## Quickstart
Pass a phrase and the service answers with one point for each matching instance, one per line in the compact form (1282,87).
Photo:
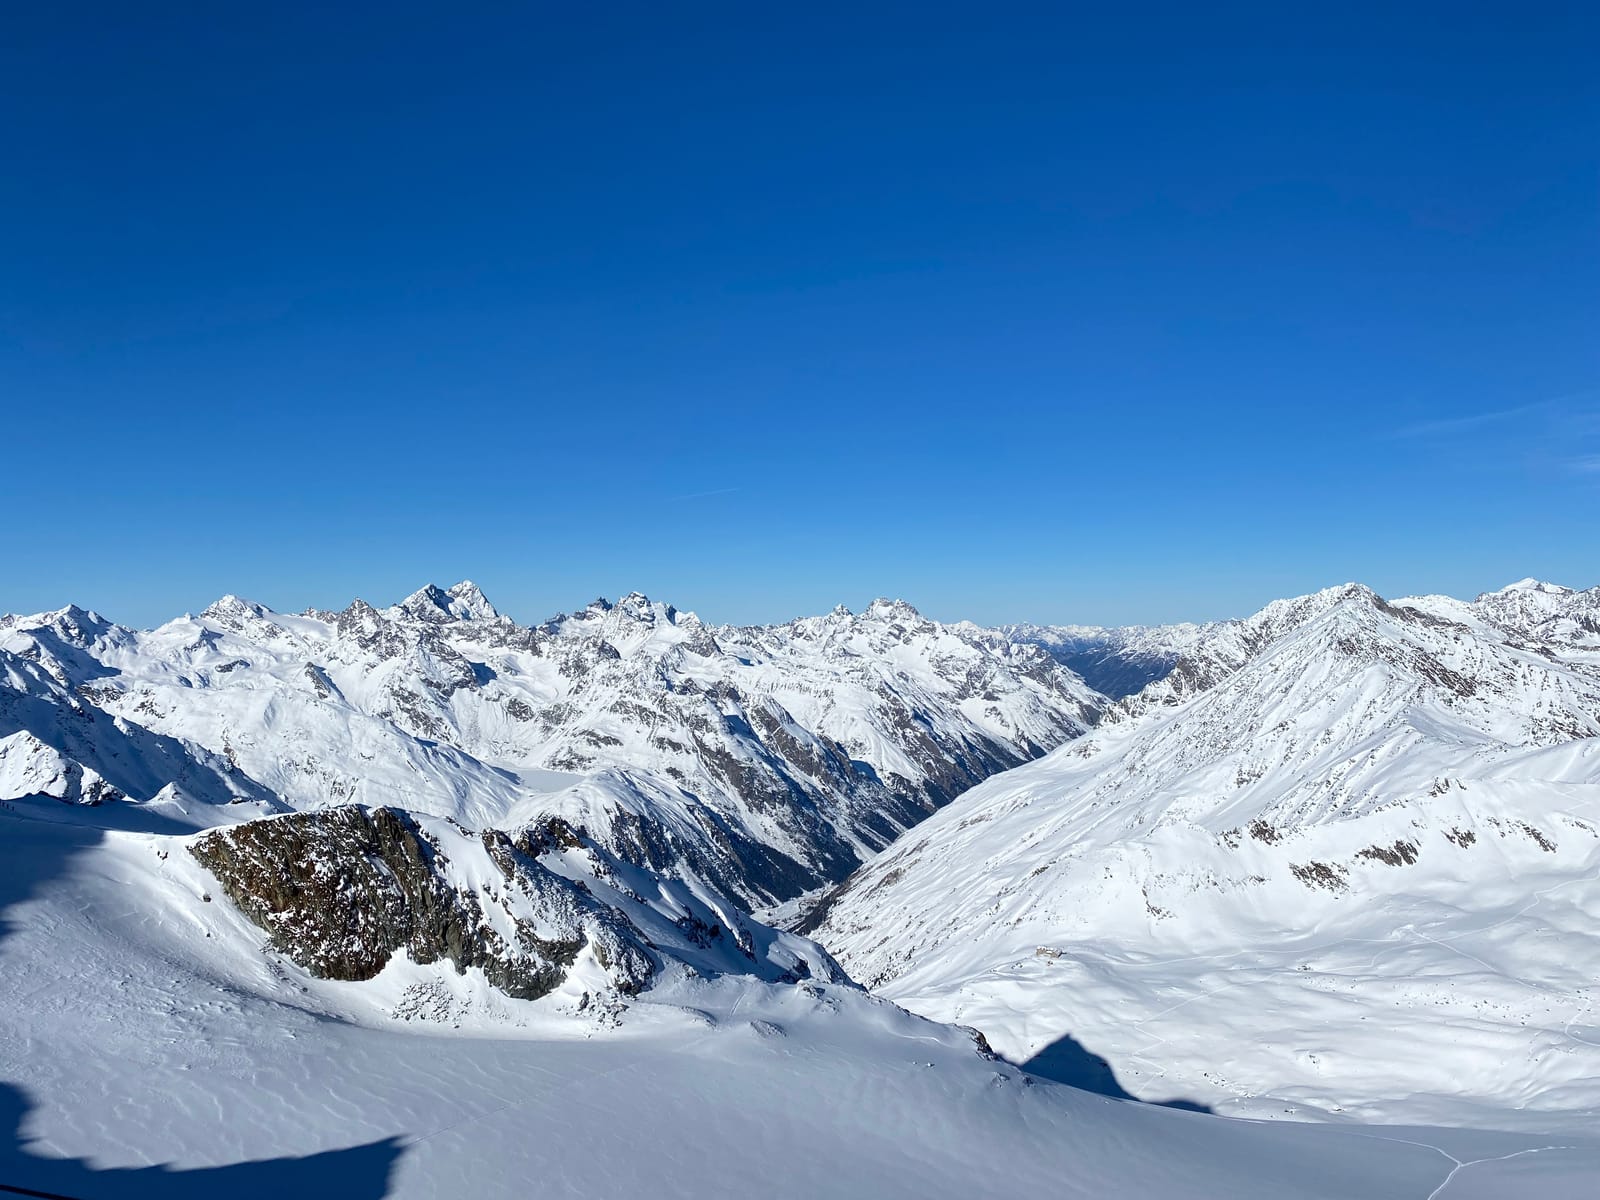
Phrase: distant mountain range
(1114,660)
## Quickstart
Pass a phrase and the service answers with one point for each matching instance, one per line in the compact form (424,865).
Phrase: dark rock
(340,891)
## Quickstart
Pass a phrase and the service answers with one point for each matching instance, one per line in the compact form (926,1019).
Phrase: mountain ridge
(1338,763)
(769,760)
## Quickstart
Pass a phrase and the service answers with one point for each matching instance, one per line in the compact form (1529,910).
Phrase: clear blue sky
(1103,313)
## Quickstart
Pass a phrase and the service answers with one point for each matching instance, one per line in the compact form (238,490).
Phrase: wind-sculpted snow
(767,760)
(1342,859)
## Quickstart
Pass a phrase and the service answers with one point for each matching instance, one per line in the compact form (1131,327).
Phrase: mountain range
(626,901)
(766,761)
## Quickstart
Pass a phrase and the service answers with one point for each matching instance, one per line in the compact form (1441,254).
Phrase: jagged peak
(359,608)
(71,622)
(634,606)
(897,609)
(1342,593)
(1280,616)
(464,601)
(639,607)
(469,598)
(78,618)
(231,606)
(428,603)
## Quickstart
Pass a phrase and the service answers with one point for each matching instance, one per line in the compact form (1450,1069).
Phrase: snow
(1356,848)
(1341,865)
(151,1045)
(799,739)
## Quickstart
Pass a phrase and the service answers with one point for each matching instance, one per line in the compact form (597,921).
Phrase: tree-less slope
(1341,861)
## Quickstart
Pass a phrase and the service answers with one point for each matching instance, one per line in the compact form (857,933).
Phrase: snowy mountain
(1342,859)
(341,889)
(1114,660)
(613,788)
(417,901)
(55,741)
(1560,617)
(766,761)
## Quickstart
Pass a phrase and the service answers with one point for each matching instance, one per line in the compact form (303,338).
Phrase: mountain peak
(639,607)
(1530,584)
(232,607)
(463,602)
(1345,591)
(899,610)
(428,603)
(471,602)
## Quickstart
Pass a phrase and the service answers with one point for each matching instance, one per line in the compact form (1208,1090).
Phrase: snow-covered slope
(1342,859)
(56,741)
(152,1047)
(767,761)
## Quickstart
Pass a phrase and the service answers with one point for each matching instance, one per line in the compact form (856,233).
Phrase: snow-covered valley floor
(149,1046)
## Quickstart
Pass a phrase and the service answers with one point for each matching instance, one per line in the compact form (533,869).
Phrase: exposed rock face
(342,890)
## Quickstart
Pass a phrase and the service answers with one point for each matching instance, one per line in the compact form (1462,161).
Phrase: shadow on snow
(1070,1062)
(356,1173)
(34,852)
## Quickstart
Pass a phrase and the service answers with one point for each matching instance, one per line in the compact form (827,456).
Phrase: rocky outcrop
(341,891)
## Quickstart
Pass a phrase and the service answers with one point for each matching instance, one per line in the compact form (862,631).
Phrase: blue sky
(1019,312)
